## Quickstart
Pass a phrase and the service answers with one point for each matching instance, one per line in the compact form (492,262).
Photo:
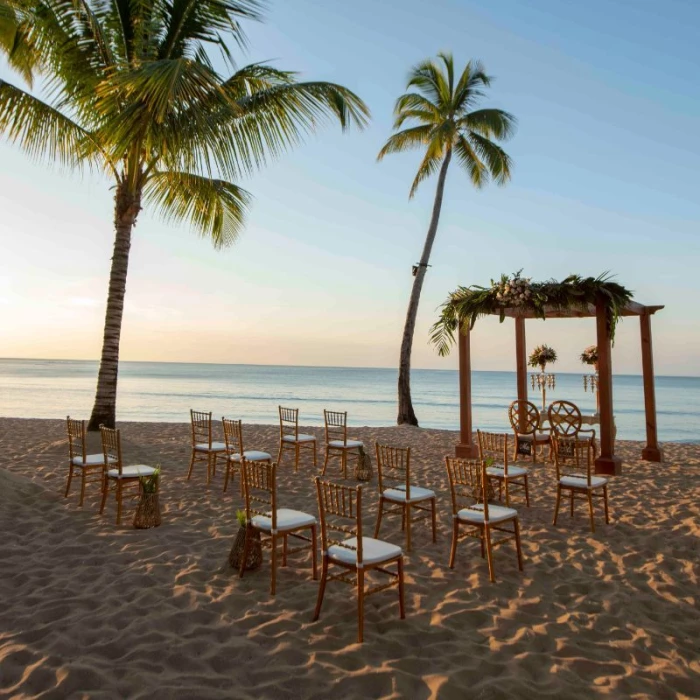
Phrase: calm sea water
(154,391)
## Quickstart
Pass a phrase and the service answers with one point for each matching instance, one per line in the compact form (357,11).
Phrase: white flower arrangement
(590,355)
(513,291)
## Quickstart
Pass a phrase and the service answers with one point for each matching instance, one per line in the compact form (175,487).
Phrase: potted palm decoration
(363,470)
(254,557)
(148,509)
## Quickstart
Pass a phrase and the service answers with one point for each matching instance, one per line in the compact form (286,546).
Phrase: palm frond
(491,123)
(414,101)
(408,138)
(16,42)
(496,159)
(471,162)
(41,130)
(216,208)
(429,79)
(429,165)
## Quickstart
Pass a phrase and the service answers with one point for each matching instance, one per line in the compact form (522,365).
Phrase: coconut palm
(441,107)
(131,90)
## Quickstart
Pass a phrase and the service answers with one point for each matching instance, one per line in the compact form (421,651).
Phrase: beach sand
(88,609)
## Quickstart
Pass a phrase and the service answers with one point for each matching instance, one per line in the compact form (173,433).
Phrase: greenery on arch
(467,304)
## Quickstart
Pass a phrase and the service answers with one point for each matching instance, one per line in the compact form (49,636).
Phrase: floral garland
(541,356)
(590,355)
(466,304)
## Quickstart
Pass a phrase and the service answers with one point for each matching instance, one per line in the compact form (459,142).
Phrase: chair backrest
(573,457)
(201,428)
(260,490)
(233,435)
(112,447)
(394,464)
(495,446)
(340,513)
(77,443)
(336,425)
(468,484)
(289,422)
(524,417)
(565,418)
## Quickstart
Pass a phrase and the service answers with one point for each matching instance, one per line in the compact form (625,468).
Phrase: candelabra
(543,381)
(590,383)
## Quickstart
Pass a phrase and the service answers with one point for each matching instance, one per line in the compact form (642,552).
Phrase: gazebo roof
(632,308)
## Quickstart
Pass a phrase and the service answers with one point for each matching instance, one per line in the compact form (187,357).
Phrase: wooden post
(521,366)
(652,451)
(466,447)
(607,462)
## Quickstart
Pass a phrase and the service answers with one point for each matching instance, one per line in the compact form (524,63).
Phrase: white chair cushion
(398,494)
(350,444)
(581,482)
(497,514)
(287,519)
(540,437)
(373,551)
(90,460)
(299,438)
(215,447)
(251,456)
(131,472)
(500,471)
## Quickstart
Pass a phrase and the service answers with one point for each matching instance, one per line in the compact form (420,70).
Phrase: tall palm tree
(132,91)
(447,124)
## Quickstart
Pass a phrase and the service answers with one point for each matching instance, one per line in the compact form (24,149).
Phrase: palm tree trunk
(126,208)
(406,413)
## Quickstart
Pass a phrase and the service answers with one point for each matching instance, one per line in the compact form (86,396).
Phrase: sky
(606,179)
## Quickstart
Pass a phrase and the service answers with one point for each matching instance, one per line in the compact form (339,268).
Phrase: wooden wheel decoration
(565,418)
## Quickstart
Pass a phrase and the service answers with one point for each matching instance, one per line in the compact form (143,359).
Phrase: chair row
(106,467)
(206,449)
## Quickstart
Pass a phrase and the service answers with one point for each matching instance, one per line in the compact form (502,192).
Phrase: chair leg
(284,549)
(279,454)
(518,547)
(407,516)
(605,503)
(119,502)
(434,519)
(507,493)
(208,468)
(314,449)
(360,605)
(70,478)
(325,463)
(273,565)
(322,587)
(527,493)
(489,553)
(453,548)
(482,542)
(296,457)
(314,555)
(82,487)
(189,473)
(572,503)
(246,541)
(105,488)
(226,474)
(344,463)
(556,507)
(380,512)
(402,602)
(590,509)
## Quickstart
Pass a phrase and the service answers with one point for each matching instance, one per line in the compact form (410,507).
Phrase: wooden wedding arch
(607,462)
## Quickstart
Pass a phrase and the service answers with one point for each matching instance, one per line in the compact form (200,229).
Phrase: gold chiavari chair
(509,476)
(479,519)
(204,448)
(565,420)
(400,497)
(291,438)
(356,557)
(573,459)
(91,467)
(233,436)
(263,515)
(529,431)
(117,474)
(337,442)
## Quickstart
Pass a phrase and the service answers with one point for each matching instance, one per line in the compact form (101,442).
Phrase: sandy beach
(88,609)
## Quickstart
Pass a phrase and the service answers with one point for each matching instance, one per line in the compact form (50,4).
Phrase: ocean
(165,392)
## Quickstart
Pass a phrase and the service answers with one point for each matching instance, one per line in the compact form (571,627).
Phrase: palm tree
(447,123)
(132,91)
